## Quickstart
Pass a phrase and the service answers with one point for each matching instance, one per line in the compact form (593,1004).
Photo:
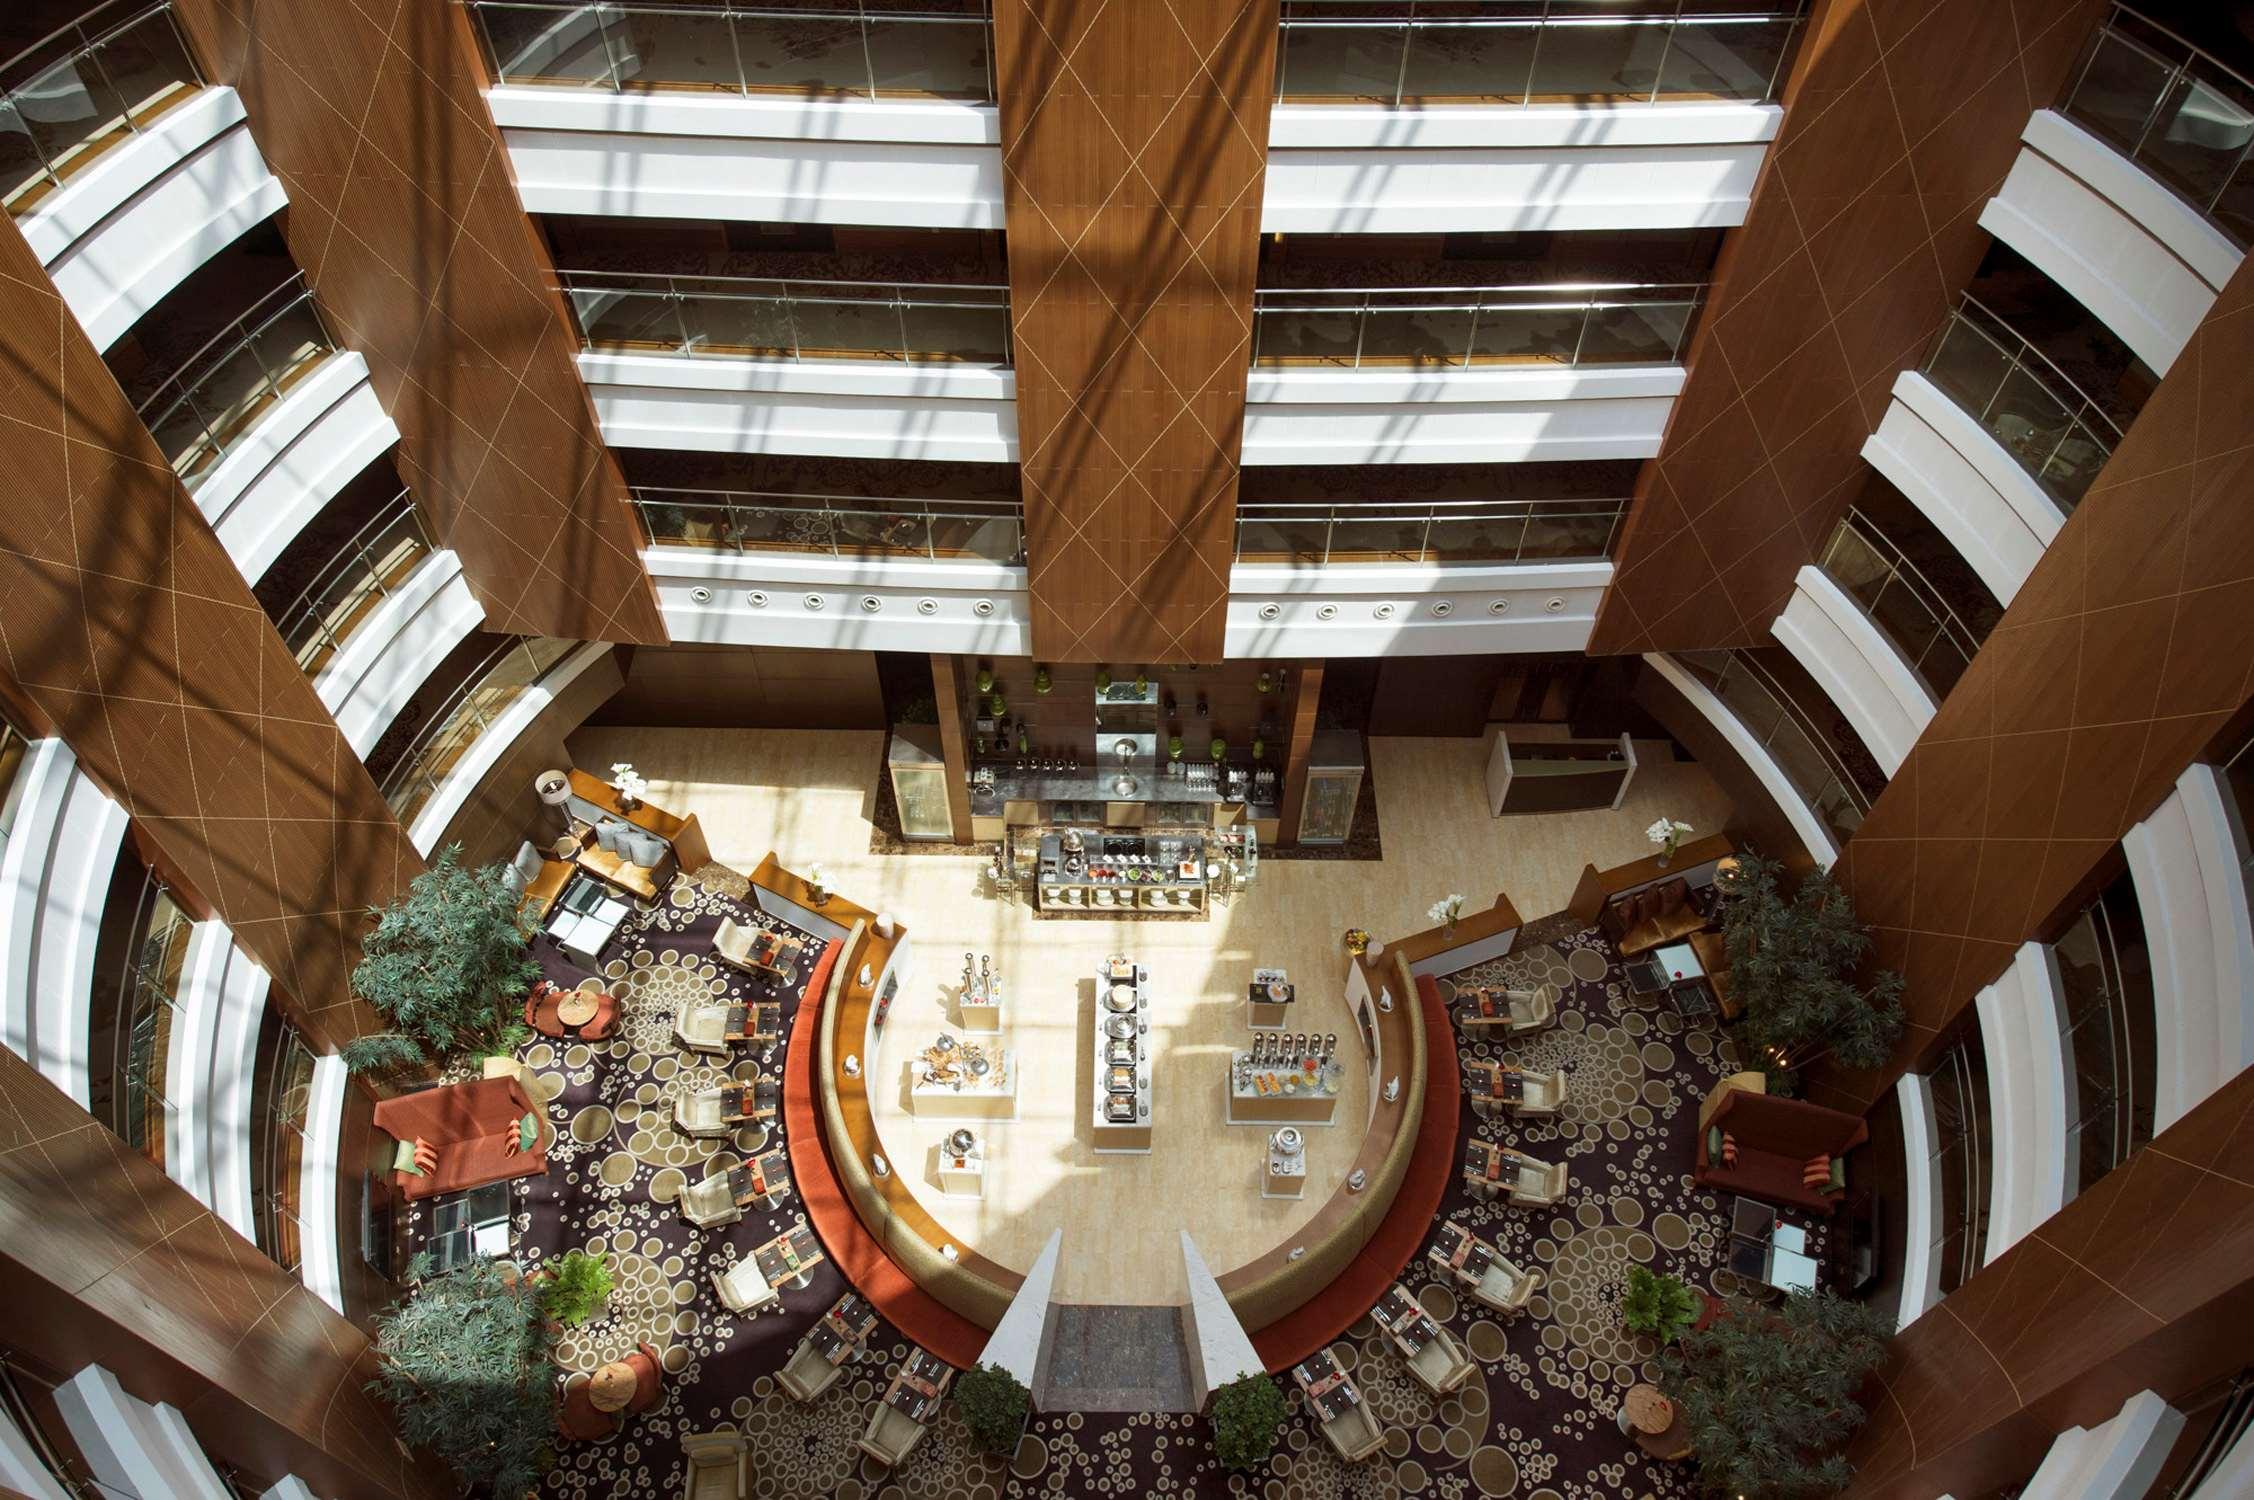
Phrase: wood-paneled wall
(1134,144)
(2126,652)
(2144,1282)
(403,217)
(126,629)
(105,1259)
(1900,123)
(1063,720)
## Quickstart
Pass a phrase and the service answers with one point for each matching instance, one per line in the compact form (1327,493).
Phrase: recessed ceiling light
(700,596)
(757,598)
(1270,610)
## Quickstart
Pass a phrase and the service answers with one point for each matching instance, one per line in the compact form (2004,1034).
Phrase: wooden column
(108,1260)
(423,261)
(128,631)
(2144,1282)
(947,693)
(1306,698)
(1134,145)
(2120,659)
(1862,230)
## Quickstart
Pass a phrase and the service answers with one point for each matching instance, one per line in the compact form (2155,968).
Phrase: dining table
(789,1255)
(1484,1161)
(1469,1258)
(1325,1386)
(841,1330)
(918,1385)
(1404,1320)
(759,1100)
(753,1021)
(760,1180)
(1494,1080)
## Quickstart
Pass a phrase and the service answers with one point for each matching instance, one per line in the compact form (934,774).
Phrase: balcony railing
(846,52)
(2105,980)
(2027,403)
(220,391)
(364,573)
(284,1067)
(1908,610)
(2181,113)
(833,525)
(1528,52)
(1800,749)
(1963,1148)
(741,317)
(1363,328)
(94,84)
(1438,531)
(147,1006)
(504,676)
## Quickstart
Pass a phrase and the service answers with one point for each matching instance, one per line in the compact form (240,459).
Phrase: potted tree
(463,1359)
(1794,962)
(996,1406)
(1247,1413)
(445,968)
(1766,1392)
(1657,1305)
(574,1288)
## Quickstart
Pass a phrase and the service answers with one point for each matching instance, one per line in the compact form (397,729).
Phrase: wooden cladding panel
(2124,655)
(1900,123)
(127,630)
(404,220)
(1133,147)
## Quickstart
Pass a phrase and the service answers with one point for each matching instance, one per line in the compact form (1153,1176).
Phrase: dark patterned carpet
(1540,1425)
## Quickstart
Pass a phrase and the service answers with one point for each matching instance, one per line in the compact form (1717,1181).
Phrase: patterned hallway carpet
(1539,1425)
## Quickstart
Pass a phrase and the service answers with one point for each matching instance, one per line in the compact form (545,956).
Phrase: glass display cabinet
(1334,786)
(919,782)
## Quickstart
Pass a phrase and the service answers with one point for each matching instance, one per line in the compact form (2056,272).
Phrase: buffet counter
(1122,1066)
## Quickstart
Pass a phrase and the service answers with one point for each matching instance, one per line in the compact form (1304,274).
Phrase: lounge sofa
(1775,1138)
(1642,920)
(473,1128)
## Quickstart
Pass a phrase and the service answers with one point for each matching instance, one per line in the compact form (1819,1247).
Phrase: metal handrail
(280,1121)
(89,47)
(728,15)
(239,333)
(311,606)
(1788,713)
(1411,24)
(1972,1129)
(2120,1102)
(143,1001)
(2212,67)
(830,508)
(2058,376)
(398,783)
(1430,511)
(1950,626)
(787,294)
(1586,298)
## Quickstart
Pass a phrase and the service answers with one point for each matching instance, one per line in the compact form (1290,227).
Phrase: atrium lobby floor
(807,795)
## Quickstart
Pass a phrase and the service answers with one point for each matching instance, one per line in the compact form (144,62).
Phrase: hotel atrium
(985,749)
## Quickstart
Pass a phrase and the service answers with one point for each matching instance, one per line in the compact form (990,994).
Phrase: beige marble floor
(807,795)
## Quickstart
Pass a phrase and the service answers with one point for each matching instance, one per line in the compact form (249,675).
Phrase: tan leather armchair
(715,1466)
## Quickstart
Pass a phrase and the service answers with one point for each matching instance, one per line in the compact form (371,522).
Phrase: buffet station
(1092,870)
(1282,1077)
(1121,1038)
(962,1080)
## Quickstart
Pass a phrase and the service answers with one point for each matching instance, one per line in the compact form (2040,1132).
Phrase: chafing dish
(1121,998)
(1119,1080)
(1120,1027)
(1120,1051)
(1119,1109)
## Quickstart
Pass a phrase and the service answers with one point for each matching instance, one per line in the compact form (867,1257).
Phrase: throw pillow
(1729,1149)
(1816,1173)
(528,1131)
(426,1156)
(403,1160)
(1713,1144)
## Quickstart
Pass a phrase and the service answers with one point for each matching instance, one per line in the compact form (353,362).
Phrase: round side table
(577,1008)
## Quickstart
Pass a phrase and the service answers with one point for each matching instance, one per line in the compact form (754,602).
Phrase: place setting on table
(756,1102)
(787,1257)
(760,1180)
(1404,1320)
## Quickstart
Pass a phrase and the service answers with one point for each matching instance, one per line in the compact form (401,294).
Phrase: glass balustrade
(847,52)
(2026,403)
(1963,1159)
(1516,52)
(93,85)
(1378,328)
(505,675)
(221,390)
(1428,531)
(2107,1010)
(750,318)
(1800,751)
(833,525)
(364,573)
(2180,113)
(1908,610)
(143,1022)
